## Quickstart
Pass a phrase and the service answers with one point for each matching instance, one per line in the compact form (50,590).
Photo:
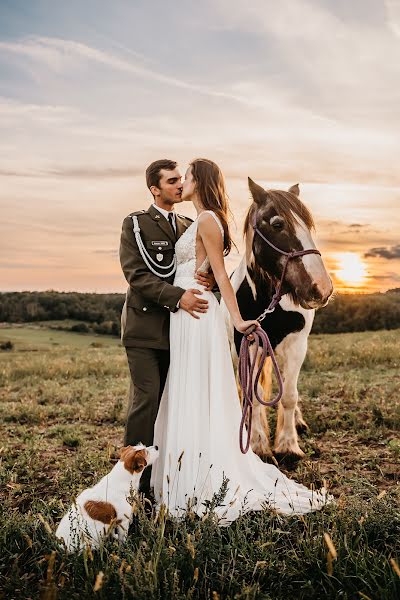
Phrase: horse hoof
(265,457)
(288,460)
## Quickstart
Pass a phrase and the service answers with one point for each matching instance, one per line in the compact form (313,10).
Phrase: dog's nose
(156,447)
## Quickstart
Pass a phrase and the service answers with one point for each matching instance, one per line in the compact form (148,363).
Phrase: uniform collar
(164,212)
(156,214)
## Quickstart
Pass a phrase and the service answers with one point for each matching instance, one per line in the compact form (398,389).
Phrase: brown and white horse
(282,219)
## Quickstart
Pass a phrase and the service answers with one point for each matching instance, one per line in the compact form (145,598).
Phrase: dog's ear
(134,460)
(123,452)
(139,460)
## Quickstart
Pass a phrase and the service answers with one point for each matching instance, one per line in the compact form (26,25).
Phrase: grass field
(37,337)
(63,402)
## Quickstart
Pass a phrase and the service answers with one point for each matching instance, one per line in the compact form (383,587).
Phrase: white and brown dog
(104,509)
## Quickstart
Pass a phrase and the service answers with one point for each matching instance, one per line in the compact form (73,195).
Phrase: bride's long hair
(210,187)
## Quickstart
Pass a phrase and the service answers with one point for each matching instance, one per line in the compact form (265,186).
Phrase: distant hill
(100,313)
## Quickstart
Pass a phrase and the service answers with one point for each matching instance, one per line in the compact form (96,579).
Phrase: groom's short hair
(153,171)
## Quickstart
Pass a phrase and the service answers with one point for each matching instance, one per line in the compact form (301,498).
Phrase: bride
(197,426)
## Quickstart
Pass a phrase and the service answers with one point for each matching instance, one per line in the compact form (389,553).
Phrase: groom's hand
(206,279)
(192,304)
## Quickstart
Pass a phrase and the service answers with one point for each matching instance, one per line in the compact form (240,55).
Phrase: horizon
(90,94)
(51,291)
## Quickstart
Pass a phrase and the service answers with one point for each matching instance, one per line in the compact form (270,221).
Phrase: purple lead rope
(249,384)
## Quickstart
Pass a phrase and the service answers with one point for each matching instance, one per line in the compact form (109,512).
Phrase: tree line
(100,313)
(359,312)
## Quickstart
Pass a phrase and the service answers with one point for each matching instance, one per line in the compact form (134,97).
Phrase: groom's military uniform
(147,252)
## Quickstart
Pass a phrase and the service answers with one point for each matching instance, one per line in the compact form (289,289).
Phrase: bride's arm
(210,235)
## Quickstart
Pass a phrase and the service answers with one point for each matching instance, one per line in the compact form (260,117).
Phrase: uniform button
(159,247)
(144,308)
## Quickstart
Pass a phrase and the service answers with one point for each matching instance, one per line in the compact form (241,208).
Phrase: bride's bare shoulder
(209,223)
(209,216)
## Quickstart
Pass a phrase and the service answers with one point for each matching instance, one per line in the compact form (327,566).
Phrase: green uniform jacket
(149,299)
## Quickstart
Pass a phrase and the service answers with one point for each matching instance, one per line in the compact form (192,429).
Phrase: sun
(351,270)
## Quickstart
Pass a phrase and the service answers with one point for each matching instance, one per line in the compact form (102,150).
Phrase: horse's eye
(277,223)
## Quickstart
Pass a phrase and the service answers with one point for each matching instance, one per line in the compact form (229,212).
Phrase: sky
(92,91)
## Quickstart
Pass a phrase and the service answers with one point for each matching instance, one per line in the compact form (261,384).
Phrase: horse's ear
(258,193)
(295,189)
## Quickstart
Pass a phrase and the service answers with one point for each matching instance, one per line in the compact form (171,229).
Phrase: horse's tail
(265,382)
(266,379)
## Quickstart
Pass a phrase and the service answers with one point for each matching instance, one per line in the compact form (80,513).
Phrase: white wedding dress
(197,427)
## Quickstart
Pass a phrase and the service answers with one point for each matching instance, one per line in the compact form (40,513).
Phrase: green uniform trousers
(149,369)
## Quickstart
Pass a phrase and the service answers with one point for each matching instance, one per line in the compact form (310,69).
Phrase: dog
(103,510)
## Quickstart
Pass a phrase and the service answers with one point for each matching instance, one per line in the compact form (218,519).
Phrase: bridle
(289,255)
(247,365)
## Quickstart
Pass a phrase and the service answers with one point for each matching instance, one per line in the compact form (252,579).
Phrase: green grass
(62,411)
(37,337)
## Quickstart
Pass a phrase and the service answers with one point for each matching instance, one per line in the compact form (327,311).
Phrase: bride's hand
(243,326)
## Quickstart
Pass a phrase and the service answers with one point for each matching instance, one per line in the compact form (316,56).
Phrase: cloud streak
(388,252)
(60,54)
(76,172)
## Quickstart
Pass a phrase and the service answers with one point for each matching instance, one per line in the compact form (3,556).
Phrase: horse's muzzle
(314,298)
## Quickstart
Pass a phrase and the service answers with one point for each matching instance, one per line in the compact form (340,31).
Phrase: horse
(278,222)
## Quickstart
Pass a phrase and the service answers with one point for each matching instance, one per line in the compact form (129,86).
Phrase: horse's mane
(287,205)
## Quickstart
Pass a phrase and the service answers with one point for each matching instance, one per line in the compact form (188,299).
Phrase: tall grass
(261,555)
(61,422)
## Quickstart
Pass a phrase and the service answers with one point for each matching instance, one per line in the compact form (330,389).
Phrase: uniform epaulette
(185,217)
(137,213)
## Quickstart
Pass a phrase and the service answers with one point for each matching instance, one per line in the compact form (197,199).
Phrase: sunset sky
(92,91)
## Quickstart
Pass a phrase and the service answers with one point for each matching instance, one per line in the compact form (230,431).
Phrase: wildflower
(98,584)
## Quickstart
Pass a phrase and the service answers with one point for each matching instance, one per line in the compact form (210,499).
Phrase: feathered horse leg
(260,433)
(292,352)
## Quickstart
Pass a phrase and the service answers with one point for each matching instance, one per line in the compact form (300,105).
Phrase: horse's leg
(260,429)
(292,352)
(301,424)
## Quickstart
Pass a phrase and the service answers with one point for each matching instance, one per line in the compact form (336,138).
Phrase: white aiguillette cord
(146,256)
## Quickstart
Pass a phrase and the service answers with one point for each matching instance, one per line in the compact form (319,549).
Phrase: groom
(148,262)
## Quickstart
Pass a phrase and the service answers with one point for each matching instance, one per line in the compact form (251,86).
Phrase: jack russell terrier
(104,509)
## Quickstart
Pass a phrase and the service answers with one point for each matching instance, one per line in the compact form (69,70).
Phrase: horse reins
(247,364)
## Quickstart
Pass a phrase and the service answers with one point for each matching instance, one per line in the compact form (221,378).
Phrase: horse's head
(286,223)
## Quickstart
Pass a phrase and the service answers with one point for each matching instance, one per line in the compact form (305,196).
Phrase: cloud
(385,277)
(290,131)
(76,172)
(338,66)
(389,252)
(393,15)
(14,265)
(295,20)
(113,252)
(60,54)
(12,111)
(71,229)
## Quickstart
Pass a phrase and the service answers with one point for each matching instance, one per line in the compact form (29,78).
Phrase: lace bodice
(185,250)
